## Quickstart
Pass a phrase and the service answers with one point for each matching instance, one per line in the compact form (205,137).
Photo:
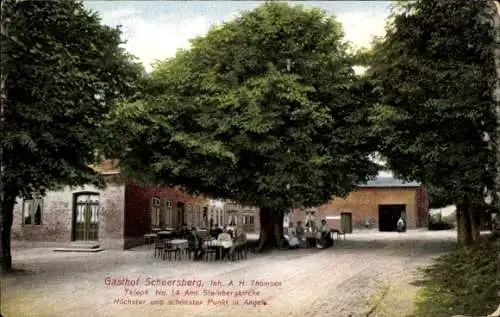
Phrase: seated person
(325,239)
(240,239)
(224,236)
(215,231)
(230,232)
(240,236)
(195,243)
(227,243)
(291,238)
(301,232)
(311,226)
(185,232)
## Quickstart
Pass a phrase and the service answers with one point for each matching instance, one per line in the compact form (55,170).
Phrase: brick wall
(138,208)
(364,202)
(57,218)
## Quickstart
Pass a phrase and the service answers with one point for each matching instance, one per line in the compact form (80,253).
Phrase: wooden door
(86,217)
(346,222)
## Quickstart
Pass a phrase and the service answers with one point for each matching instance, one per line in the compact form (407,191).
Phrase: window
(197,216)
(251,220)
(222,221)
(189,211)
(32,211)
(205,217)
(310,221)
(168,213)
(155,212)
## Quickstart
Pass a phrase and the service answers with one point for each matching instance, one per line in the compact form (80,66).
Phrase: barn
(378,204)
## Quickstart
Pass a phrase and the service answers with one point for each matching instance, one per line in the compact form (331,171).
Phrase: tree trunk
(6,218)
(271,228)
(496,96)
(464,229)
(475,223)
(494,7)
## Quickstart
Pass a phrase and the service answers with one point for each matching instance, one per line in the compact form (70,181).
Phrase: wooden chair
(149,238)
(211,248)
(241,251)
(189,251)
(169,249)
(159,247)
(338,233)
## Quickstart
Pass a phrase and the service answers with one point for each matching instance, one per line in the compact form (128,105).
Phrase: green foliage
(63,72)
(433,74)
(438,197)
(463,282)
(265,110)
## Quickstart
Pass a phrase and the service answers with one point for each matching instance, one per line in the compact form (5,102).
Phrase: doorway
(388,216)
(86,217)
(346,222)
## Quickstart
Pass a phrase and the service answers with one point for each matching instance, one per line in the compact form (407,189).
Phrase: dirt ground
(339,282)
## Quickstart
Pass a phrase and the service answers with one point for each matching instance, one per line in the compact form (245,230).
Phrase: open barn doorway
(388,216)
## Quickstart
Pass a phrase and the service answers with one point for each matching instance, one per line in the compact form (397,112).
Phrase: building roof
(387,181)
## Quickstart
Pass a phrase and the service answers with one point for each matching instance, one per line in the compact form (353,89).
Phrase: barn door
(346,222)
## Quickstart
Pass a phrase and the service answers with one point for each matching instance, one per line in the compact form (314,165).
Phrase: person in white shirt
(401,224)
(292,238)
(324,227)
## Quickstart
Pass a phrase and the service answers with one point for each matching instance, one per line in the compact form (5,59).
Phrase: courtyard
(335,282)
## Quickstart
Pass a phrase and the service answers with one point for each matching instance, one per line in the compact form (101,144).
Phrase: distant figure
(185,230)
(196,245)
(226,230)
(301,232)
(401,224)
(310,226)
(292,239)
(325,236)
(240,237)
(215,231)
(368,222)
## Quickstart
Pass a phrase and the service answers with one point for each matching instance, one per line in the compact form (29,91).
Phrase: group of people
(196,240)
(297,236)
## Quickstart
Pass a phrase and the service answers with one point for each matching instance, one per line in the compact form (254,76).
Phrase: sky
(155,30)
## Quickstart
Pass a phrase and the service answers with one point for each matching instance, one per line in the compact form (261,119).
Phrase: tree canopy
(433,74)
(62,72)
(265,110)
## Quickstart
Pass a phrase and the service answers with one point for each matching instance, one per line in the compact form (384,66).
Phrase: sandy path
(334,282)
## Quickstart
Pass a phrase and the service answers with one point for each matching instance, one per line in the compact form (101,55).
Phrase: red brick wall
(138,206)
(364,203)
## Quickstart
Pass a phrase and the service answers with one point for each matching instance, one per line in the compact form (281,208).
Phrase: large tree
(264,110)
(434,73)
(61,73)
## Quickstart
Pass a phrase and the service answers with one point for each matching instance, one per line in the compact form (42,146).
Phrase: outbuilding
(378,204)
